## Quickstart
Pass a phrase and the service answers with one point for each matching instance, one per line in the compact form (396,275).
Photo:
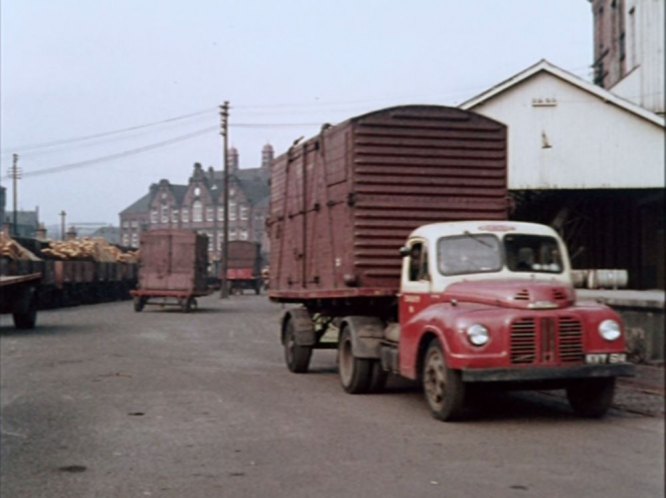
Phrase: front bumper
(548,373)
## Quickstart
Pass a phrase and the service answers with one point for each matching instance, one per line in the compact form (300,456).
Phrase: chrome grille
(523,341)
(533,341)
(570,340)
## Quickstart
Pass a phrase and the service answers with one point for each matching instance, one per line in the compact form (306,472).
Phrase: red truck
(173,269)
(389,230)
(244,267)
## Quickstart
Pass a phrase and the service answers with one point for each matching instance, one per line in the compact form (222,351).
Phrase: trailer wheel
(139,303)
(591,398)
(443,388)
(189,304)
(297,357)
(27,319)
(355,373)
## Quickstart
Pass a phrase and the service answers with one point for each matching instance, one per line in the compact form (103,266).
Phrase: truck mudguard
(367,333)
(304,332)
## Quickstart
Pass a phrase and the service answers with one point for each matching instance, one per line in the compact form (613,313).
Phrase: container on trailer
(244,266)
(343,202)
(173,267)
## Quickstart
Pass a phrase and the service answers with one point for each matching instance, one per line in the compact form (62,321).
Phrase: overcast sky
(145,78)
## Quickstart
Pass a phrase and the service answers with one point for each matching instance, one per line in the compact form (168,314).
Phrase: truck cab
(493,303)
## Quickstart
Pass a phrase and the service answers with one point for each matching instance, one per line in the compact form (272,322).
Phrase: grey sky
(71,69)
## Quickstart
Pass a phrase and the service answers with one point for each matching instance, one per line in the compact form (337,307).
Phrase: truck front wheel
(355,373)
(297,357)
(444,389)
(591,398)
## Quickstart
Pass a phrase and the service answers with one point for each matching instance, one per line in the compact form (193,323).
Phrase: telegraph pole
(224,123)
(16,173)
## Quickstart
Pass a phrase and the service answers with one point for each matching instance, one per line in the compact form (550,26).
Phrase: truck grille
(546,340)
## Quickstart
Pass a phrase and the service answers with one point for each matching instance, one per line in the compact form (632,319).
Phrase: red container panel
(344,202)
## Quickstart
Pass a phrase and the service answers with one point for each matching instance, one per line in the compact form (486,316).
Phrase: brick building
(199,205)
(629,50)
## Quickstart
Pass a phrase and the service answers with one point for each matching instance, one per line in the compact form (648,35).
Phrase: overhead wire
(118,155)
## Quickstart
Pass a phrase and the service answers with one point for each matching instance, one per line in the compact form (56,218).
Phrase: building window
(210,214)
(174,216)
(232,234)
(232,210)
(165,214)
(243,213)
(185,215)
(126,224)
(197,211)
(153,216)
(135,224)
(126,239)
(220,213)
(242,235)
(135,240)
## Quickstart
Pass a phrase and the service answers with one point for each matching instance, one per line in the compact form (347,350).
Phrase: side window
(418,262)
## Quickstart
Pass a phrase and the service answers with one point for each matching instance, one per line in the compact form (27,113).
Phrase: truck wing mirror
(405,251)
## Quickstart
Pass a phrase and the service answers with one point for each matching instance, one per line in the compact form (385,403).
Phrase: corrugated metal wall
(421,165)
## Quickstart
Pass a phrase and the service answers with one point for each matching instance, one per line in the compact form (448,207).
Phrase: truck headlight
(477,334)
(610,330)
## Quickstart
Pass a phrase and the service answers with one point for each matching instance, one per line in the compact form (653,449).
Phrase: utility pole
(15,174)
(224,123)
(62,224)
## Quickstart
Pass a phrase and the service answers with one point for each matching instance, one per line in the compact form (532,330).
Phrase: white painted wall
(593,144)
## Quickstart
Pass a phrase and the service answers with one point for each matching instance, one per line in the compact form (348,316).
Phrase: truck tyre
(28,318)
(190,304)
(378,377)
(139,303)
(297,357)
(443,388)
(591,398)
(355,373)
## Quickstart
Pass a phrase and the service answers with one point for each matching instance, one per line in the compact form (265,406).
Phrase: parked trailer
(244,266)
(172,269)
(374,232)
(18,296)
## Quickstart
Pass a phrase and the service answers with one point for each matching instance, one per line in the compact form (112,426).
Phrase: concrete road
(100,401)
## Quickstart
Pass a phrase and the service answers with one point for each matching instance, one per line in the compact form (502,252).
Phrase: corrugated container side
(343,203)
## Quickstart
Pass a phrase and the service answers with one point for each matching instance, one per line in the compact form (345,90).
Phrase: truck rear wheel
(591,398)
(297,357)
(443,388)
(355,373)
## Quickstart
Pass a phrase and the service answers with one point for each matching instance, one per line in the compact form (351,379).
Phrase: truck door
(415,281)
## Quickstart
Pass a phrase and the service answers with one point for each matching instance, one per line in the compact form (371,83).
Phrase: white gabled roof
(545,66)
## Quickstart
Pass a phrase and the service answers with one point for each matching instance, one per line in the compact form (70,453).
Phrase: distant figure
(525,259)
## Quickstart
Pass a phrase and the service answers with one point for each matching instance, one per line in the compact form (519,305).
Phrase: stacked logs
(89,250)
(11,249)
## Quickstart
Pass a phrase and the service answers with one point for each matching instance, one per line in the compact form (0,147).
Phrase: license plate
(605,358)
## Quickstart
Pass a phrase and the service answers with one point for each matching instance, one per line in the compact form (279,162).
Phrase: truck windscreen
(469,253)
(532,253)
